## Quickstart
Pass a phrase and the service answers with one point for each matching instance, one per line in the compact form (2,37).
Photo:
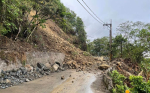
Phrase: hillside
(49,39)
(54,39)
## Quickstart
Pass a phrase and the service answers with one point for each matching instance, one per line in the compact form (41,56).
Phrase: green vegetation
(86,53)
(15,15)
(74,53)
(23,63)
(118,82)
(137,40)
(98,45)
(137,83)
(132,41)
(145,65)
(2,55)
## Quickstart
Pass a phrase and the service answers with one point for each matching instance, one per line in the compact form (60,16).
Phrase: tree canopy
(14,18)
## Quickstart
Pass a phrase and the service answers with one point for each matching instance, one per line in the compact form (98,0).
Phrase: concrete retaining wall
(32,58)
(107,79)
(44,57)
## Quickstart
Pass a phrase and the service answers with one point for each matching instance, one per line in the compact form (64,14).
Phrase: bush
(145,65)
(86,53)
(118,82)
(137,83)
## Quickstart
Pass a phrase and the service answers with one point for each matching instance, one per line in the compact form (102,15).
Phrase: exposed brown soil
(54,42)
(51,38)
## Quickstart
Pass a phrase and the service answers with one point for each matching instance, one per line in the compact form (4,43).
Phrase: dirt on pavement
(74,82)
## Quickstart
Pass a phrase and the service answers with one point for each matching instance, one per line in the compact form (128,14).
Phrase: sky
(119,11)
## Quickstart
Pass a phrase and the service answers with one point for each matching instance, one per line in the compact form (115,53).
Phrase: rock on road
(73,82)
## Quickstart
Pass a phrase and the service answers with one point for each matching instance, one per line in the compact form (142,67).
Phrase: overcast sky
(118,10)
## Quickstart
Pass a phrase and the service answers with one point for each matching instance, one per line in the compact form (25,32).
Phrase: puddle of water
(90,82)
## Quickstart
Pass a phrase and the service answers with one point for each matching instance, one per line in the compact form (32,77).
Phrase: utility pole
(110,38)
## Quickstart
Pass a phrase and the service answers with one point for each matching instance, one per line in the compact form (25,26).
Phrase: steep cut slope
(52,38)
(49,39)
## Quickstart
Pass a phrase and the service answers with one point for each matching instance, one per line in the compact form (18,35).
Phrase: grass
(23,63)
(86,53)
(74,53)
(2,55)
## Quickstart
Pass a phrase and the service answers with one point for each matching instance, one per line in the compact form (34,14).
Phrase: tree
(101,46)
(81,33)
(14,18)
(118,40)
(137,35)
(11,15)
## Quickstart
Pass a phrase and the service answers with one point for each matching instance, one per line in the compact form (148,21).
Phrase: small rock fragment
(62,77)
(27,80)
(7,81)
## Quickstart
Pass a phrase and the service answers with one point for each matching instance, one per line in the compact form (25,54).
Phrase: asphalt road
(74,82)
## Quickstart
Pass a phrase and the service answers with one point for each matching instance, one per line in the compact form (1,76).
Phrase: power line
(92,11)
(89,13)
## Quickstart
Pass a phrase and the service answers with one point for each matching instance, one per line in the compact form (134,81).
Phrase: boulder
(19,72)
(47,73)
(46,69)
(103,67)
(7,81)
(40,65)
(119,64)
(3,86)
(42,72)
(27,80)
(1,80)
(58,63)
(55,66)
(89,63)
(47,65)
(62,77)
(65,66)
(72,64)
(29,68)
(13,73)
(24,71)
(61,68)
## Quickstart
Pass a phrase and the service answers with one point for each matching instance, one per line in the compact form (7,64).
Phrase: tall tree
(118,40)
(138,39)
(81,33)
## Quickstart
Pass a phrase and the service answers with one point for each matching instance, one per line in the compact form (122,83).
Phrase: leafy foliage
(117,45)
(11,15)
(81,33)
(100,46)
(145,65)
(137,39)
(137,83)
(118,81)
(14,18)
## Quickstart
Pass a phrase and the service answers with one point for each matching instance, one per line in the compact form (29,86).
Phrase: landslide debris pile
(126,67)
(54,39)
(26,74)
(123,66)
(51,39)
